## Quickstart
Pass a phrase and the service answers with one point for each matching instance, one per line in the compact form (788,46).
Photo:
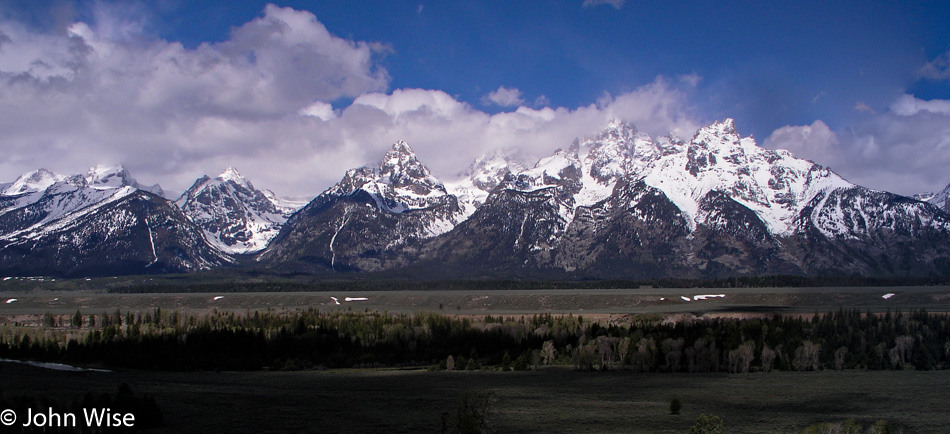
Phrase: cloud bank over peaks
(448,134)
(904,149)
(271,99)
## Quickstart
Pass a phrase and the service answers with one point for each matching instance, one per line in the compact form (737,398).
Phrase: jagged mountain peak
(940,199)
(400,182)
(618,130)
(401,147)
(235,217)
(103,176)
(402,169)
(232,175)
(473,185)
(33,181)
(773,184)
(489,169)
(720,133)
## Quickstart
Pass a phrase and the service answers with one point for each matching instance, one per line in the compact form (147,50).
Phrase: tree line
(311,339)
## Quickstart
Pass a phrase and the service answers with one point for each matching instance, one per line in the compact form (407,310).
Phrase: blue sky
(859,86)
(768,64)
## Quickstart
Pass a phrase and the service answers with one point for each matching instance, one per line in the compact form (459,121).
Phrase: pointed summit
(617,130)
(403,168)
(488,170)
(37,180)
(400,168)
(401,147)
(232,175)
(235,217)
(723,131)
(941,199)
(103,176)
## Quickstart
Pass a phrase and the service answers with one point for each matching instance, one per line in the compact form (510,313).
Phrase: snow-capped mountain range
(618,204)
(103,222)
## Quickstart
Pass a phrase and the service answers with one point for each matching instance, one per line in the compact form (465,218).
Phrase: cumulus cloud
(319,110)
(289,104)
(504,97)
(617,4)
(98,94)
(908,105)
(814,142)
(905,150)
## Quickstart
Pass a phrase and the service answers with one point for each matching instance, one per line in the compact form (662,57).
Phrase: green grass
(549,401)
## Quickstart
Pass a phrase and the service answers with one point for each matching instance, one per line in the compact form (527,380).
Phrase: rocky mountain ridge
(618,204)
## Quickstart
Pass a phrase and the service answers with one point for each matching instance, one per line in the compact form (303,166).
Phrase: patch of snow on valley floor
(705,296)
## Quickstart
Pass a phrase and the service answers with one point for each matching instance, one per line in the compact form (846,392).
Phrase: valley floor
(548,401)
(499,302)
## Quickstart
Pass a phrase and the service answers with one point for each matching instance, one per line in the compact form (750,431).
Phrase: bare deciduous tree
(840,355)
(623,347)
(673,353)
(807,357)
(548,352)
(605,346)
(768,357)
(904,346)
(646,354)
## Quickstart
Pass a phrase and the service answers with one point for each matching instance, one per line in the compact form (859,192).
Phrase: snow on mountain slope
(773,184)
(133,234)
(41,201)
(398,184)
(286,205)
(30,182)
(590,168)
(58,205)
(235,217)
(102,176)
(473,185)
(941,199)
(374,219)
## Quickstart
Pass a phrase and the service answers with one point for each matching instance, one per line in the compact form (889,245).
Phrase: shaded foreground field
(545,401)
(510,302)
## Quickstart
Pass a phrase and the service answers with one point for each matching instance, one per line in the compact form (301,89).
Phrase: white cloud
(615,3)
(105,94)
(814,142)
(937,69)
(905,150)
(504,97)
(448,134)
(908,105)
(319,110)
(261,101)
